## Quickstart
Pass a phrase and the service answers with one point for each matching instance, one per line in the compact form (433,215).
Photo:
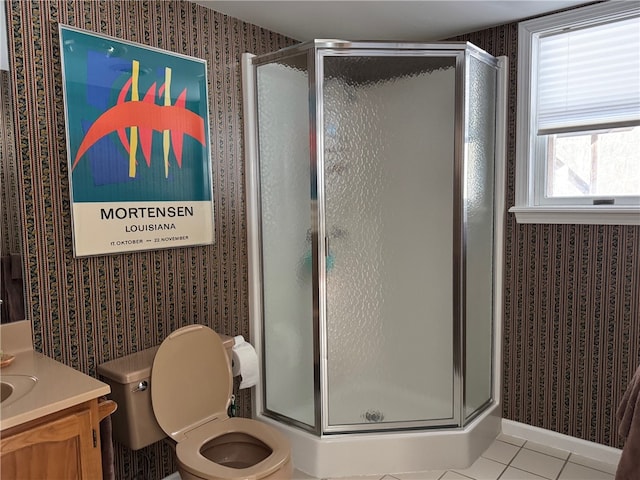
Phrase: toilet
(183,389)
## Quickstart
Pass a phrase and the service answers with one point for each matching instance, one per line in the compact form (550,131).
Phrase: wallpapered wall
(10,230)
(572,293)
(571,327)
(90,310)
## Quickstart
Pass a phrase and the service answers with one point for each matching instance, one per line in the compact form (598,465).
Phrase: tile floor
(511,458)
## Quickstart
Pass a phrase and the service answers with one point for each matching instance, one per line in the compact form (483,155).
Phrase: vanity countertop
(58,387)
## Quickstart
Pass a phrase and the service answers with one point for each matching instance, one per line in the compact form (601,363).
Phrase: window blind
(589,78)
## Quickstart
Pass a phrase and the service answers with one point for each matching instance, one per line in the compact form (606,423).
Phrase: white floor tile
(573,471)
(359,477)
(501,452)
(538,463)
(517,441)
(483,469)
(300,475)
(591,463)
(515,474)
(453,476)
(430,475)
(554,452)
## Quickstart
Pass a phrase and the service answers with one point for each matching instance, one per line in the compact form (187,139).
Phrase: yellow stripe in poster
(133,141)
(166,139)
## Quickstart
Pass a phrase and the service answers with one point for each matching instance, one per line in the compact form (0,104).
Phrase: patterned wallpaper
(572,293)
(571,306)
(10,230)
(90,310)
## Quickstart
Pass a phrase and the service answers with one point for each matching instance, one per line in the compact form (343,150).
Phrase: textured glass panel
(389,151)
(479,213)
(286,250)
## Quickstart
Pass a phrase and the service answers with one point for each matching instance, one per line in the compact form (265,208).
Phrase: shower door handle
(328,257)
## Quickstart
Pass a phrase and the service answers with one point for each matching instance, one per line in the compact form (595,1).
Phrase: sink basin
(5,391)
(14,387)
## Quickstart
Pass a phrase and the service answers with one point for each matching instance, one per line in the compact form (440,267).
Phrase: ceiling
(426,20)
(418,20)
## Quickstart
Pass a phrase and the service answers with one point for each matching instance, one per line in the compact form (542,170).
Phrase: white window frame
(529,166)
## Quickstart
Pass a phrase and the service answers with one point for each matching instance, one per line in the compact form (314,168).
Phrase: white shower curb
(343,455)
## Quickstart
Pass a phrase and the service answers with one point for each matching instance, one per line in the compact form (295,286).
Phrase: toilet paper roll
(245,362)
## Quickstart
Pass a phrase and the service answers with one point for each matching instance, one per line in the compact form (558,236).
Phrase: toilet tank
(129,377)
(134,423)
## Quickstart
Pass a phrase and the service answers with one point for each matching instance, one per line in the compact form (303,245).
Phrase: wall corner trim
(596,451)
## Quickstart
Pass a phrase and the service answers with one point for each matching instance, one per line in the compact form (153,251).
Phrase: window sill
(590,215)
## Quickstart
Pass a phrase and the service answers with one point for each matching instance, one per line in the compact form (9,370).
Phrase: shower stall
(374,182)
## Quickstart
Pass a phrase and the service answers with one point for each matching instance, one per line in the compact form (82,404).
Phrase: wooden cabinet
(62,445)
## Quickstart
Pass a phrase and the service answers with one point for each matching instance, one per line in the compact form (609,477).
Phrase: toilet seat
(191,385)
(191,459)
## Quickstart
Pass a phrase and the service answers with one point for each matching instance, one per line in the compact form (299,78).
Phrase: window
(578,137)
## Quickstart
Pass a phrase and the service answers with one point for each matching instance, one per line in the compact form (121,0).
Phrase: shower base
(340,455)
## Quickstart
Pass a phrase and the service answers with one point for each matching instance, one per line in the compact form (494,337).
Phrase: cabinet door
(59,449)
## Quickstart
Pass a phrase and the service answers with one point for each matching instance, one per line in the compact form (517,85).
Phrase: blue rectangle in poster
(137,121)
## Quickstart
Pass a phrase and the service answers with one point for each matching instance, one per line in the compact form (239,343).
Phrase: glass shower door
(389,136)
(479,230)
(285,228)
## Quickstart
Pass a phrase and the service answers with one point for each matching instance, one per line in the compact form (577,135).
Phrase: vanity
(49,414)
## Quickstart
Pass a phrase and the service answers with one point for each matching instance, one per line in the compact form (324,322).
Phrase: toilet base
(285,473)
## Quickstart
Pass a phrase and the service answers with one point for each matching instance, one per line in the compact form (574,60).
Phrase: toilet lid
(191,380)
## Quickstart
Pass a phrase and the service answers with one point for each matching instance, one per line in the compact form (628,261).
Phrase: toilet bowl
(191,385)
(238,448)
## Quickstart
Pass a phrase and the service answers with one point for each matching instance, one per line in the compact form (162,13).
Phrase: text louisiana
(150,227)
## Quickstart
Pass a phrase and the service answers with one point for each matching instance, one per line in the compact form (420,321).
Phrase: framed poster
(137,125)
